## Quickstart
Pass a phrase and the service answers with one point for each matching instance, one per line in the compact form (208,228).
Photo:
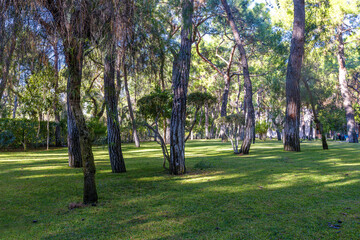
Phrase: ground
(269,194)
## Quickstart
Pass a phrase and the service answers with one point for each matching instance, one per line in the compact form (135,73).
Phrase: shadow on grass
(269,194)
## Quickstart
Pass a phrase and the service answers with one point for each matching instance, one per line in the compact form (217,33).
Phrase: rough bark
(350,121)
(316,119)
(73,139)
(180,80)
(74,59)
(6,66)
(292,118)
(250,114)
(114,140)
(72,24)
(131,113)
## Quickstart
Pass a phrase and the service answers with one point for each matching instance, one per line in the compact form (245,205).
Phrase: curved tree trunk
(292,119)
(74,58)
(114,140)
(135,134)
(344,89)
(180,80)
(250,114)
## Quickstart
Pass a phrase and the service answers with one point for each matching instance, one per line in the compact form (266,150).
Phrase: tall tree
(250,114)
(292,119)
(180,80)
(72,22)
(350,120)
(111,100)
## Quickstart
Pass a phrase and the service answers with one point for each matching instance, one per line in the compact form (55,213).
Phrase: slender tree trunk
(74,59)
(316,119)
(250,114)
(278,133)
(311,130)
(207,121)
(168,122)
(223,111)
(114,140)
(351,126)
(48,130)
(292,119)
(56,97)
(135,134)
(180,80)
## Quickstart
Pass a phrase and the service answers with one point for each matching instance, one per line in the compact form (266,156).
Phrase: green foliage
(156,104)
(333,118)
(231,120)
(261,127)
(15,133)
(199,99)
(98,130)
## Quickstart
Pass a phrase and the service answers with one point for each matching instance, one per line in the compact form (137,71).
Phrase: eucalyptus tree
(180,80)
(250,114)
(72,22)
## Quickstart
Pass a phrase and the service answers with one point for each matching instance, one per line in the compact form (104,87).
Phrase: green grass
(269,194)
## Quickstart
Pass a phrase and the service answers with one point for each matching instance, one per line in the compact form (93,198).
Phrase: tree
(250,114)
(180,80)
(232,124)
(72,22)
(292,118)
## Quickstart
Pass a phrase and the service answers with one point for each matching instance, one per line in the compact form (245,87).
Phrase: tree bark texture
(180,80)
(350,121)
(73,139)
(292,118)
(74,59)
(250,114)
(113,127)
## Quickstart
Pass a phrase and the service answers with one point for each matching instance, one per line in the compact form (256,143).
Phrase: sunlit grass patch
(269,194)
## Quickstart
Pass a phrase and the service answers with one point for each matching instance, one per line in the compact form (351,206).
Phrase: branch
(205,59)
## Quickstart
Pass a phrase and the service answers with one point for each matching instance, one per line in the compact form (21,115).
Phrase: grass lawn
(269,194)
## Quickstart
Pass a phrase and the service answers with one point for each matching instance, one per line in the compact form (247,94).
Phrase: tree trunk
(56,98)
(48,130)
(344,89)
(74,58)
(114,140)
(278,133)
(168,122)
(135,134)
(250,114)
(292,119)
(223,111)
(207,121)
(73,139)
(180,80)
(311,130)
(316,119)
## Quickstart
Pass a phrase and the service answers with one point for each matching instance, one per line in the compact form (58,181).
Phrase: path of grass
(269,194)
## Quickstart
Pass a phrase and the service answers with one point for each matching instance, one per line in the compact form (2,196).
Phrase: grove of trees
(82,73)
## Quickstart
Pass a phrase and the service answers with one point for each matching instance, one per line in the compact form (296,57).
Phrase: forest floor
(269,194)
